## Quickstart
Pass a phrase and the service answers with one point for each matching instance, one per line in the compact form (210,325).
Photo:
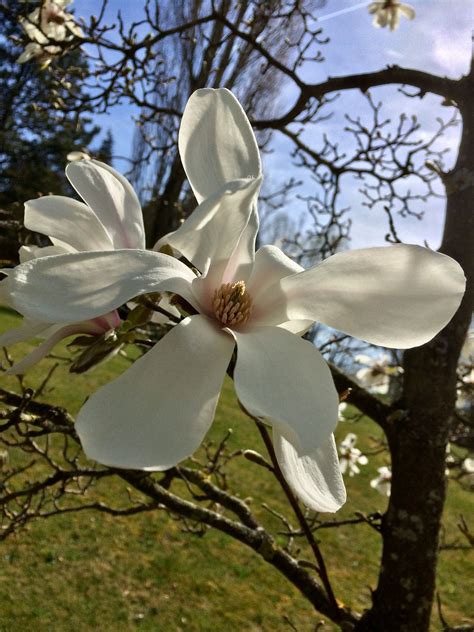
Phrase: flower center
(232,303)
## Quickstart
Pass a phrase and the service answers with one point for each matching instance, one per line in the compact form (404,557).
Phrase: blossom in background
(383,482)
(74,156)
(45,26)
(377,372)
(388,12)
(44,53)
(110,218)
(465,389)
(350,456)
(157,413)
(468,465)
(342,411)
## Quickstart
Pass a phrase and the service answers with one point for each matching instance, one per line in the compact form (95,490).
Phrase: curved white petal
(316,479)
(298,327)
(68,220)
(407,10)
(80,286)
(112,199)
(399,296)
(271,265)
(47,345)
(216,142)
(157,413)
(26,253)
(26,331)
(285,379)
(214,232)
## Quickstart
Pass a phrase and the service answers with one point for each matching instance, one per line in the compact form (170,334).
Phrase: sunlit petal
(216,232)
(316,479)
(112,199)
(68,220)
(79,286)
(216,142)
(144,419)
(285,379)
(399,296)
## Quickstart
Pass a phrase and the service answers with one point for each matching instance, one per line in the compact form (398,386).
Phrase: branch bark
(423,81)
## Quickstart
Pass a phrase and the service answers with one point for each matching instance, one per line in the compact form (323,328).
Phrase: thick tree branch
(257,539)
(423,81)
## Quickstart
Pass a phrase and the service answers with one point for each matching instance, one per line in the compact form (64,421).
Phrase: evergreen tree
(36,130)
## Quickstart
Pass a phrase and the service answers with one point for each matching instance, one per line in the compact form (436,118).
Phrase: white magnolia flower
(109,218)
(157,413)
(350,456)
(383,482)
(468,465)
(464,400)
(45,26)
(450,461)
(74,156)
(388,12)
(342,411)
(377,372)
(44,53)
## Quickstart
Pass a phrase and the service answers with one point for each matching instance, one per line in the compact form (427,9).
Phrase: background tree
(38,127)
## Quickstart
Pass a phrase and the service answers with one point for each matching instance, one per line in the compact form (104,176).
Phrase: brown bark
(418,434)
(163,215)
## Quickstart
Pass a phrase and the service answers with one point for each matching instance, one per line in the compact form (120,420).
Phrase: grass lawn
(90,571)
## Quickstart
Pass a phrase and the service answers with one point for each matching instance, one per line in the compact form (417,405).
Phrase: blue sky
(437,41)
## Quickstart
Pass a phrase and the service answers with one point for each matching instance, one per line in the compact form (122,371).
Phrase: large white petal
(285,379)
(399,296)
(68,220)
(80,286)
(216,142)
(271,265)
(157,413)
(316,479)
(112,199)
(213,232)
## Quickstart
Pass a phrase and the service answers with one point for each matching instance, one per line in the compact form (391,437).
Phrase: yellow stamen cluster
(232,304)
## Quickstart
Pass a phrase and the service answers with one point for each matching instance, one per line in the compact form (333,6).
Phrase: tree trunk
(164,216)
(418,433)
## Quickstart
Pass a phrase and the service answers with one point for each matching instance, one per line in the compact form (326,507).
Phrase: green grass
(89,571)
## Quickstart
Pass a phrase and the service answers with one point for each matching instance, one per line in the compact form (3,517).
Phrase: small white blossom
(350,456)
(377,372)
(388,12)
(342,411)
(450,460)
(383,482)
(465,388)
(468,465)
(46,26)
(73,156)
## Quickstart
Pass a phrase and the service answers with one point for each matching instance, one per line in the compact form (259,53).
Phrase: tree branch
(424,81)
